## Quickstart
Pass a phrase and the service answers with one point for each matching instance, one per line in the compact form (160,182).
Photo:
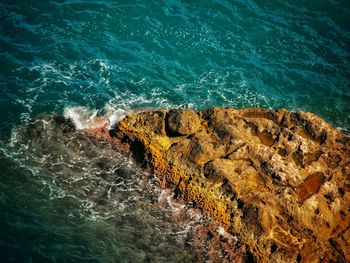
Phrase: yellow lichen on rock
(279,180)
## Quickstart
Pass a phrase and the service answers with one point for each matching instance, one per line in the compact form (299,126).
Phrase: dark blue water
(108,56)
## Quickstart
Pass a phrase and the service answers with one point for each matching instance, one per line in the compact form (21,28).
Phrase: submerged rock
(89,177)
(277,179)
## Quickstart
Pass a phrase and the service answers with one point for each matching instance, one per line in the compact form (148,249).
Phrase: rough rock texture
(277,179)
(182,122)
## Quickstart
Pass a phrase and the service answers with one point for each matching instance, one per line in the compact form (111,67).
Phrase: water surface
(113,56)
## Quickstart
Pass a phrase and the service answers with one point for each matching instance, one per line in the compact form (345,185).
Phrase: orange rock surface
(279,180)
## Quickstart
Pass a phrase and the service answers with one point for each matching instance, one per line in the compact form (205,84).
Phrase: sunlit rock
(279,180)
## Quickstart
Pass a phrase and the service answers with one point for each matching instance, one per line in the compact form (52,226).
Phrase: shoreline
(273,184)
(264,175)
(98,170)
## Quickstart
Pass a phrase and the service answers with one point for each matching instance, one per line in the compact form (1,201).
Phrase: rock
(183,122)
(279,180)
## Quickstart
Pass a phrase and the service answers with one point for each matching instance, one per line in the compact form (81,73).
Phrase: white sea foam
(114,116)
(82,117)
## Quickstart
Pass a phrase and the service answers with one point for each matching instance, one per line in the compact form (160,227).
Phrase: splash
(84,118)
(114,115)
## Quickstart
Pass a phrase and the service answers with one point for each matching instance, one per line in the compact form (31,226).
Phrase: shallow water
(110,57)
(67,198)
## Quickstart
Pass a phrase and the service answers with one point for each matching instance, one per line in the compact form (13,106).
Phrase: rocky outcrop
(277,179)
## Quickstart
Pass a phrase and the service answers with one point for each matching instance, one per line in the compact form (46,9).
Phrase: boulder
(182,122)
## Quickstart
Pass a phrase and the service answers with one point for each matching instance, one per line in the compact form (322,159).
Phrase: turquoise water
(120,55)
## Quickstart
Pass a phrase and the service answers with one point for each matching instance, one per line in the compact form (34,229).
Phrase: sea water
(60,202)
